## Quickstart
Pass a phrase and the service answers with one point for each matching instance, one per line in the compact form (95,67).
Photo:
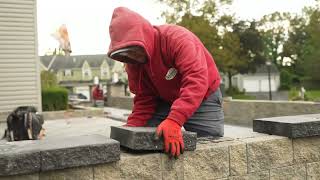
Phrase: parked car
(76,98)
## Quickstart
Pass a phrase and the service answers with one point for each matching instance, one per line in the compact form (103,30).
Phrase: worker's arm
(190,60)
(145,100)
(191,63)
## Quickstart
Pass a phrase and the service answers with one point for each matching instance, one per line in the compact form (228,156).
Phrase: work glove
(173,141)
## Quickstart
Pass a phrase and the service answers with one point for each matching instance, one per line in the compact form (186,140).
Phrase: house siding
(19,62)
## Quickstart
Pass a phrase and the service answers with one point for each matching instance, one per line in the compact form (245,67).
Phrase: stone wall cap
(289,126)
(143,138)
(22,157)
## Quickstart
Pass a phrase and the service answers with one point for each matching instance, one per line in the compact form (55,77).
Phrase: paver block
(18,158)
(24,157)
(289,126)
(143,138)
(78,151)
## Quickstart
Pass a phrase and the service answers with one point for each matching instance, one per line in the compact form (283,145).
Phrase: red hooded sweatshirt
(167,47)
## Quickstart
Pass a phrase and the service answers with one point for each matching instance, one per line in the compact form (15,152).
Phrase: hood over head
(128,28)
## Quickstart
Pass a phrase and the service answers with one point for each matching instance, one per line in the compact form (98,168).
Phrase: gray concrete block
(143,138)
(78,151)
(289,126)
(24,157)
(18,158)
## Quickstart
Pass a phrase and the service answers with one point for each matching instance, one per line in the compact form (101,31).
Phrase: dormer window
(86,71)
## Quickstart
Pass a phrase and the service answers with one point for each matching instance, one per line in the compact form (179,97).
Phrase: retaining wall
(242,112)
(258,157)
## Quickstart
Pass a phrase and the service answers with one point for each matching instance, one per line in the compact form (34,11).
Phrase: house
(19,64)
(256,82)
(77,73)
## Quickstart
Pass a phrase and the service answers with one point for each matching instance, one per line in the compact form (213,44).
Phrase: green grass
(313,95)
(243,96)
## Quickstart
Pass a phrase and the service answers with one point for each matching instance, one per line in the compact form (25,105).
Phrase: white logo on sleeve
(172,72)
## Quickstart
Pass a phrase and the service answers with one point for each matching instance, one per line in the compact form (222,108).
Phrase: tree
(274,32)
(311,54)
(251,45)
(48,79)
(228,56)
(303,44)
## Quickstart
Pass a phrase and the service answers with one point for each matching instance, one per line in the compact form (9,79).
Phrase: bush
(294,95)
(54,99)
(233,90)
(237,94)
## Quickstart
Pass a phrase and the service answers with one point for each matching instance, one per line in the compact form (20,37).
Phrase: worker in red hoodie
(173,76)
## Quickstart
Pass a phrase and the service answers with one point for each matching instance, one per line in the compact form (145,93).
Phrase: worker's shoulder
(175,32)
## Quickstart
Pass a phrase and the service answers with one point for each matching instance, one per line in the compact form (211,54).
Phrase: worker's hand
(173,141)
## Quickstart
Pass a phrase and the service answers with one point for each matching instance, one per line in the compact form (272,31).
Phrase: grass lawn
(243,96)
(313,95)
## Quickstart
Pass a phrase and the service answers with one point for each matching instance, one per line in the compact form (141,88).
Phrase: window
(68,72)
(86,73)
(104,72)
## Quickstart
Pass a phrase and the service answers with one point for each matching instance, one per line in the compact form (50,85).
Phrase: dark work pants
(208,119)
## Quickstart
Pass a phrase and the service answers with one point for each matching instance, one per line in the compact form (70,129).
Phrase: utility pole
(268,63)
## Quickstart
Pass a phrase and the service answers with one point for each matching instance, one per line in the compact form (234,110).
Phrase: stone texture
(238,159)
(52,115)
(80,173)
(143,138)
(264,175)
(78,151)
(108,171)
(172,169)
(295,172)
(289,126)
(207,162)
(22,177)
(235,113)
(306,149)
(146,166)
(268,152)
(313,171)
(19,158)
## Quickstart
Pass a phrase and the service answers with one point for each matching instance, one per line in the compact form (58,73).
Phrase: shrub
(233,90)
(294,95)
(54,99)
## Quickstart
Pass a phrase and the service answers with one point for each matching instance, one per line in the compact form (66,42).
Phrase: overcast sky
(88,20)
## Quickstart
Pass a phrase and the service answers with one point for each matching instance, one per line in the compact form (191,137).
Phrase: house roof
(69,62)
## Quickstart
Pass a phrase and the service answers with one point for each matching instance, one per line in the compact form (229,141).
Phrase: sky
(88,20)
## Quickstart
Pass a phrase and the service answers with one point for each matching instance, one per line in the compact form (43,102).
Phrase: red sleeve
(145,100)
(191,63)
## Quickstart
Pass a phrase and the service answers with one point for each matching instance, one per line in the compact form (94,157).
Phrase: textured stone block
(19,158)
(143,138)
(207,162)
(306,149)
(295,172)
(34,176)
(172,169)
(313,171)
(24,157)
(238,159)
(268,152)
(80,173)
(78,151)
(264,175)
(146,166)
(289,126)
(108,171)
